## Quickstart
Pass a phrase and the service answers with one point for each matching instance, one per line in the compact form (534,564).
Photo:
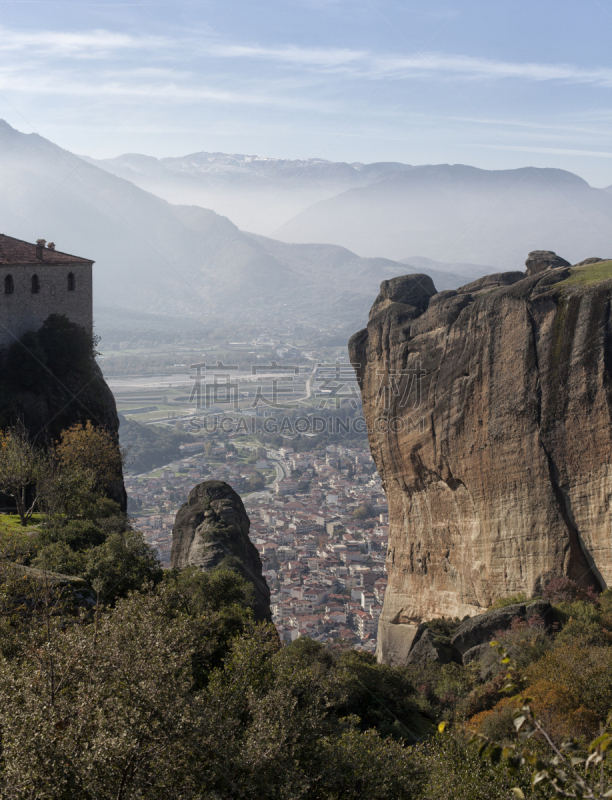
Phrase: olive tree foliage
(68,478)
(85,535)
(23,470)
(87,460)
(275,725)
(28,601)
(220,603)
(123,563)
(453,769)
(88,450)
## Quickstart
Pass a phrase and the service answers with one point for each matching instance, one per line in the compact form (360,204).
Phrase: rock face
(431,648)
(542,260)
(480,630)
(64,406)
(52,382)
(489,415)
(213,527)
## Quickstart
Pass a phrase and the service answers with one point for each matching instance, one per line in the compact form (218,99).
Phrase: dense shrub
(384,698)
(122,564)
(497,723)
(60,557)
(566,590)
(572,683)
(374,696)
(78,534)
(442,689)
(452,768)
(511,600)
(112,707)
(170,690)
(525,641)
(583,620)
(220,606)
(485,697)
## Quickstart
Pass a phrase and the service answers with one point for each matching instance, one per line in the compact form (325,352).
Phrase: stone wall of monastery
(23,311)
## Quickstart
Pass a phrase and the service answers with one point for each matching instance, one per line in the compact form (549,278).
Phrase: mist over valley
(356,225)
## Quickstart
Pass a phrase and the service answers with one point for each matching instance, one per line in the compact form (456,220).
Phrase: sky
(493,84)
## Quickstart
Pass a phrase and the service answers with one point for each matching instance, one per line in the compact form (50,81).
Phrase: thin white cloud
(131,66)
(529,125)
(366,64)
(73,44)
(34,45)
(62,85)
(558,151)
(485,68)
(155,73)
(292,54)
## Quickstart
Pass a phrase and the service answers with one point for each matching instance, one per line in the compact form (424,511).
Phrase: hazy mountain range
(154,257)
(460,213)
(448,213)
(184,260)
(257,193)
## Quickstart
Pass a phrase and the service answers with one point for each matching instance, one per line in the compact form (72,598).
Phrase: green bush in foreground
(176,693)
(110,706)
(454,769)
(167,688)
(563,769)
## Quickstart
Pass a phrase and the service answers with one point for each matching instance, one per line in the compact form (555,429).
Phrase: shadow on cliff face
(211,530)
(50,381)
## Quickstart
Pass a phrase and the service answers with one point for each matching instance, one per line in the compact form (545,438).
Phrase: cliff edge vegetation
(50,381)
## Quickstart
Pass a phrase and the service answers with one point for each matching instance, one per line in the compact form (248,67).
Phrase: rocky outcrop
(75,401)
(482,629)
(488,412)
(476,653)
(31,587)
(212,529)
(432,648)
(542,260)
(50,381)
(588,261)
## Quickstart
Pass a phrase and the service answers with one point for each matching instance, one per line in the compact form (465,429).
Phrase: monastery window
(35,284)
(9,286)
(71,283)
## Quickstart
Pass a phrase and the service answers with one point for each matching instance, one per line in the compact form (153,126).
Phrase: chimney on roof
(40,246)
(51,246)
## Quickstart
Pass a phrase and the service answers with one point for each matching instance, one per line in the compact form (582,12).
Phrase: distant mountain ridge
(257,193)
(156,258)
(457,213)
(189,262)
(455,273)
(449,213)
(226,166)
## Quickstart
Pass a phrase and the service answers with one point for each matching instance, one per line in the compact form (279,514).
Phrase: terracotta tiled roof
(17,252)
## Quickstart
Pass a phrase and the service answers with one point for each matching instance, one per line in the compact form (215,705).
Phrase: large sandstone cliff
(488,411)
